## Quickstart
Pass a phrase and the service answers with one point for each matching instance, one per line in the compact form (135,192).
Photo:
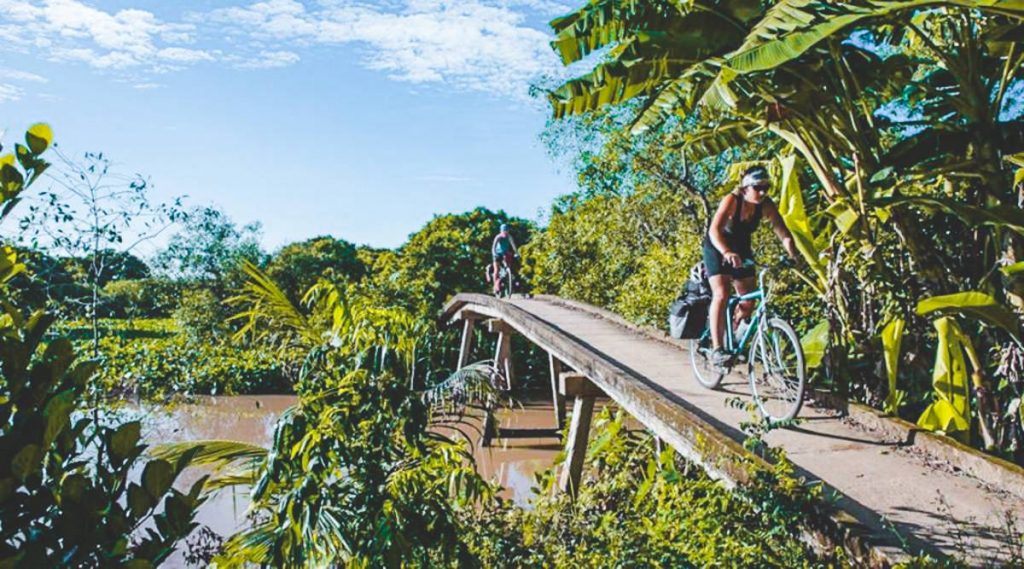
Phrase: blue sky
(359,120)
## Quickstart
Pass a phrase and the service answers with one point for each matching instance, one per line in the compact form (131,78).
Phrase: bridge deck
(878,481)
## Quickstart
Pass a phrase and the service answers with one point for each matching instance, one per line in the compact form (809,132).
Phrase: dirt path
(876,480)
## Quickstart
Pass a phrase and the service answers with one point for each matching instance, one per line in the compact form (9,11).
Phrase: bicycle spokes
(776,371)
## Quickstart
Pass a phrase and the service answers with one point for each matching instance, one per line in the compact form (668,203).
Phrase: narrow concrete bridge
(887,477)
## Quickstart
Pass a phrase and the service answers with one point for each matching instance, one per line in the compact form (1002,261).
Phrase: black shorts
(716,265)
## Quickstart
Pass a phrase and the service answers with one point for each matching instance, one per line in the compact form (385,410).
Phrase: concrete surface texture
(885,485)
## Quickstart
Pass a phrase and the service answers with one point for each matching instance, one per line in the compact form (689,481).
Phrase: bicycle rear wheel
(700,359)
(777,375)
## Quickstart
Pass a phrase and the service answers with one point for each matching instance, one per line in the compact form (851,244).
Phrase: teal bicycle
(769,346)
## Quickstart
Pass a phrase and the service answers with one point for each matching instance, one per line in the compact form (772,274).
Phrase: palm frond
(266,307)
(209,452)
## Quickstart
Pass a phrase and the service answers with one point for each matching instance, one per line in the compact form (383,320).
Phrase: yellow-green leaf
(39,137)
(976,304)
(791,208)
(1013,269)
(950,410)
(892,339)
(814,343)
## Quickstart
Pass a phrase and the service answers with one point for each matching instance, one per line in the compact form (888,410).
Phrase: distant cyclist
(503,247)
(728,254)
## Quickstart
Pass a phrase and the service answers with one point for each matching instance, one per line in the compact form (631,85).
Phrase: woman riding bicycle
(503,248)
(728,255)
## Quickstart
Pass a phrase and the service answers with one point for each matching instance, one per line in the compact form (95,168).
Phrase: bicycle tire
(778,396)
(509,283)
(703,370)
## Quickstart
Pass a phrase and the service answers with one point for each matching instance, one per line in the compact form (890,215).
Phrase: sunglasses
(759,188)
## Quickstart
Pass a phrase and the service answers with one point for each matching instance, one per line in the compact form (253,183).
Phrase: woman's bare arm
(780,229)
(717,229)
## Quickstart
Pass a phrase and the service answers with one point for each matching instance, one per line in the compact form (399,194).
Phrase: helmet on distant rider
(504,227)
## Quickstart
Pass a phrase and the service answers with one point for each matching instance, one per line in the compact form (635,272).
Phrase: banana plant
(952,391)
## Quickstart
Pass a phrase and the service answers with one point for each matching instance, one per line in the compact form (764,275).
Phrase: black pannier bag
(688,314)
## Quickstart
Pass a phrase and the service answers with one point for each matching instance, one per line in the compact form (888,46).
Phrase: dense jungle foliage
(895,137)
(359,471)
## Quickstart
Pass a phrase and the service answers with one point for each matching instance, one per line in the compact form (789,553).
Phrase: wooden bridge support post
(557,399)
(503,351)
(584,392)
(466,347)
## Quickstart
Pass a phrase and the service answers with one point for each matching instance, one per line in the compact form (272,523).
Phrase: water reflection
(512,462)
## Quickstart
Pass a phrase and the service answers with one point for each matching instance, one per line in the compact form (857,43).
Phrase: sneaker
(721,359)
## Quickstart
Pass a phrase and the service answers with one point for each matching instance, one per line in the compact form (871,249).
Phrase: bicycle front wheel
(700,360)
(509,282)
(777,374)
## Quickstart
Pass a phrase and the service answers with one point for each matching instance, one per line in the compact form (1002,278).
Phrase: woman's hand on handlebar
(787,262)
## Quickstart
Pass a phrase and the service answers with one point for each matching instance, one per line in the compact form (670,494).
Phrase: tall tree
(297,266)
(210,249)
(95,213)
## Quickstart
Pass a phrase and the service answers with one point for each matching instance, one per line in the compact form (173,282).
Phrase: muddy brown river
(511,462)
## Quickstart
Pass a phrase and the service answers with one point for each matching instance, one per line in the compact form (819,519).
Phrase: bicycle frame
(756,318)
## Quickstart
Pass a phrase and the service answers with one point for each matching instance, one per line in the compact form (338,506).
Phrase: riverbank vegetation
(894,132)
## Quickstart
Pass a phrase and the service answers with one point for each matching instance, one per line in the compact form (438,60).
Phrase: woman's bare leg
(745,308)
(719,298)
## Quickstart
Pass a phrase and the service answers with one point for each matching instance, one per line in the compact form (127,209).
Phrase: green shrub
(640,509)
(660,273)
(200,316)
(153,358)
(66,499)
(140,298)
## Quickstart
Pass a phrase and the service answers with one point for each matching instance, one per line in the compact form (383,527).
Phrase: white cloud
(9,92)
(71,30)
(270,59)
(18,75)
(485,45)
(184,55)
(145,86)
(474,44)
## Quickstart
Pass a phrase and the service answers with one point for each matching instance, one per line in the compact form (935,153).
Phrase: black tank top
(738,229)
(738,232)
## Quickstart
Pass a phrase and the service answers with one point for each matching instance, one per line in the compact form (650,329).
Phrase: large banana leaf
(606,22)
(679,96)
(792,27)
(942,141)
(892,339)
(653,45)
(977,305)
(613,83)
(791,208)
(1004,216)
(950,411)
(814,343)
(717,138)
